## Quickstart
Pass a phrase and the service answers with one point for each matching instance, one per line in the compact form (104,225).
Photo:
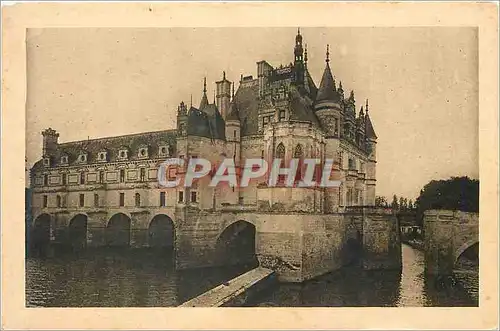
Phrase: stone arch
(352,249)
(161,232)
(77,231)
(41,234)
(118,230)
(470,247)
(236,243)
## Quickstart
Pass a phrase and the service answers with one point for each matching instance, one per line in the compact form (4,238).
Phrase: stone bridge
(448,236)
(298,246)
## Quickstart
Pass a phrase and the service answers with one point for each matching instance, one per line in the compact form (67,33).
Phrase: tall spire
(191,105)
(298,51)
(327,53)
(204,99)
(366,106)
(223,75)
(232,96)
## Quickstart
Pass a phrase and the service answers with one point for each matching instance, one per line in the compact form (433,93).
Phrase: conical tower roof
(234,114)
(327,90)
(369,131)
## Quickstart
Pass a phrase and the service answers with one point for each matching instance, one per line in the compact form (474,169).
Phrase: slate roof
(153,140)
(327,90)
(369,131)
(246,100)
(300,108)
(234,114)
(207,122)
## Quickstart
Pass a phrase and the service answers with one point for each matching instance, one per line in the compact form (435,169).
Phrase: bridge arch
(41,233)
(469,250)
(161,232)
(117,231)
(77,231)
(236,243)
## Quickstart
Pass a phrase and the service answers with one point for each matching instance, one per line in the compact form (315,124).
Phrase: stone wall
(447,234)
(381,239)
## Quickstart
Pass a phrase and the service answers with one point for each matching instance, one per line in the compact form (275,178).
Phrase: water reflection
(354,287)
(117,278)
(109,277)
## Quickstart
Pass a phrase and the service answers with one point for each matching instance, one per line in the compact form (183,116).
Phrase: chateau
(105,191)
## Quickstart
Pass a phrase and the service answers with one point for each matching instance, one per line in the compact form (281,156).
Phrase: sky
(422,86)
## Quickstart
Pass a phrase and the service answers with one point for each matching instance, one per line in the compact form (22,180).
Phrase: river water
(145,278)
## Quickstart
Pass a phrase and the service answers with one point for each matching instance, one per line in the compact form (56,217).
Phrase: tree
(380,201)
(456,193)
(394,204)
(410,204)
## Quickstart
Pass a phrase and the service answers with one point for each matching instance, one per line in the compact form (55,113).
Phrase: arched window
(137,200)
(298,153)
(280,154)
(280,151)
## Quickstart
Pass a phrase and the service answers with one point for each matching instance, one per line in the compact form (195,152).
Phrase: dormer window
(82,158)
(64,159)
(143,152)
(164,150)
(123,154)
(46,161)
(102,156)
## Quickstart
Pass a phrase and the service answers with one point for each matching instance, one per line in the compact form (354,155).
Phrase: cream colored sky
(422,84)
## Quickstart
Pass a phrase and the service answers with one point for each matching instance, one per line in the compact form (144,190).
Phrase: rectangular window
(82,200)
(58,201)
(143,174)
(101,176)
(262,154)
(234,134)
(162,199)
(82,178)
(96,200)
(64,179)
(265,120)
(45,201)
(45,180)
(282,115)
(193,196)
(122,199)
(181,196)
(352,164)
(122,175)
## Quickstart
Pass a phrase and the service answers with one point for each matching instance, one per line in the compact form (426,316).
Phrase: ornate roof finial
(191,105)
(205,85)
(214,97)
(232,97)
(223,75)
(327,53)
(367,106)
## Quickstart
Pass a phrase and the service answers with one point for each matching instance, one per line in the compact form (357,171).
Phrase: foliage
(456,193)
